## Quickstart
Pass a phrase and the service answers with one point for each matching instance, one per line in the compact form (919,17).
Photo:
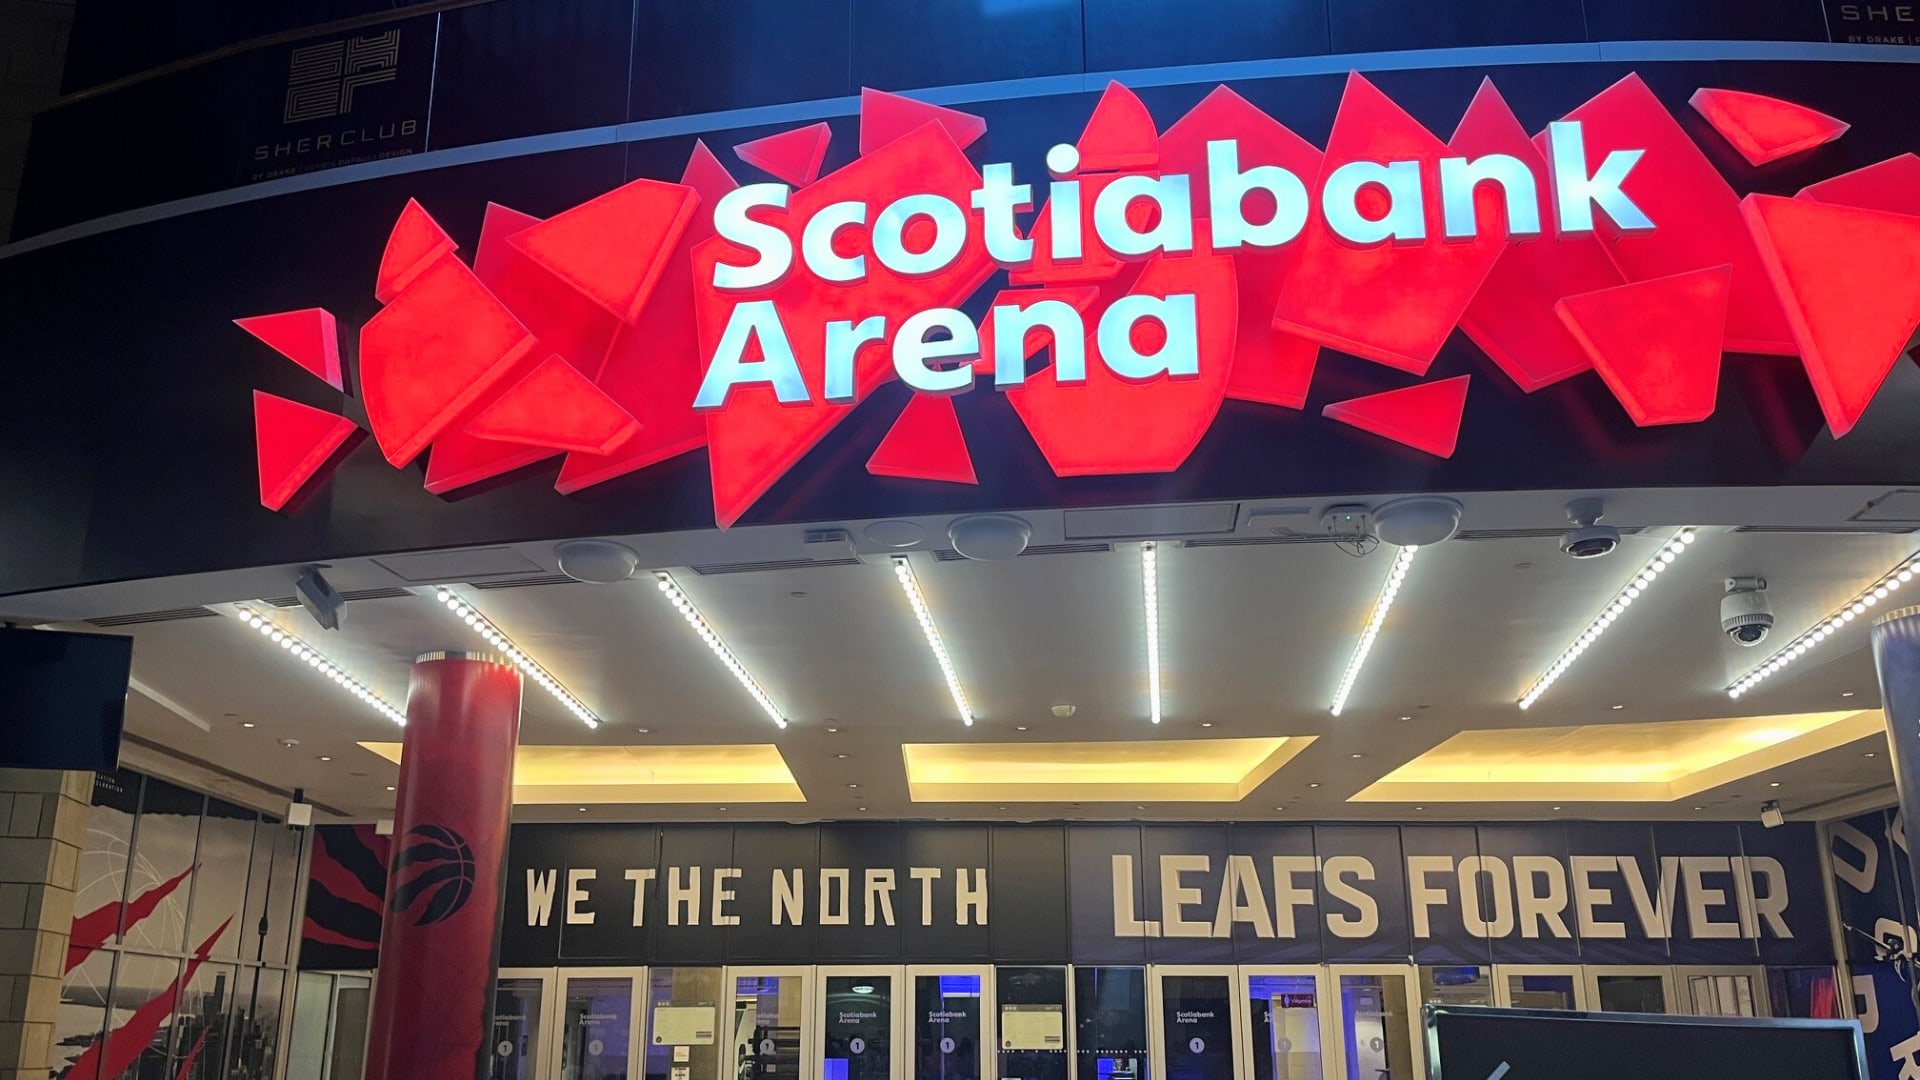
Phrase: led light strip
(707,634)
(903,572)
(1150,594)
(1866,600)
(1670,550)
(318,662)
(1396,574)
(528,666)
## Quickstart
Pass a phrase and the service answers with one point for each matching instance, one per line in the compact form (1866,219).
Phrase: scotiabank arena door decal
(1163,272)
(1125,894)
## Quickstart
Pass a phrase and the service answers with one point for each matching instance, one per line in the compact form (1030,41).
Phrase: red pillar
(439,948)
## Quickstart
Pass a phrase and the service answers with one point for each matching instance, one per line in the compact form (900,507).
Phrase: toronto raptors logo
(445,874)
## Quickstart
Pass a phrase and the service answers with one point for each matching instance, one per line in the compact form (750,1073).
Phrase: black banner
(1573,892)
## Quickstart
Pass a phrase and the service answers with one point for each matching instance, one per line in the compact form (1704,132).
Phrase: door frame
(1411,974)
(899,1030)
(544,1054)
(1156,1026)
(1594,972)
(636,1012)
(989,1052)
(1323,988)
(1503,994)
(1756,975)
(730,1062)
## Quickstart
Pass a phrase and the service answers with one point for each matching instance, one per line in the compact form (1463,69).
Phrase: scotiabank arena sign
(1117,295)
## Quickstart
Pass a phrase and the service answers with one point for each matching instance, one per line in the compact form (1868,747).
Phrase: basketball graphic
(444,876)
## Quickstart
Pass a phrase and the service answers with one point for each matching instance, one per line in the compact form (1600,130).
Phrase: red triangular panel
(565,320)
(459,460)
(613,248)
(885,117)
(711,180)
(1848,279)
(555,406)
(925,443)
(307,337)
(291,442)
(1892,185)
(1425,417)
(793,156)
(1657,343)
(1120,134)
(416,241)
(1764,128)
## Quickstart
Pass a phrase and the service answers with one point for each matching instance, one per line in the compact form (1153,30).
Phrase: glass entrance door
(683,1023)
(1724,991)
(1527,986)
(1378,1026)
(857,1024)
(1631,989)
(952,1022)
(1196,1023)
(597,1032)
(770,1014)
(1289,1025)
(1110,1024)
(518,1045)
(1033,1019)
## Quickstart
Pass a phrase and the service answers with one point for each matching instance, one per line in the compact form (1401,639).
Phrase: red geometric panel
(428,358)
(653,368)
(1425,417)
(756,438)
(563,318)
(555,406)
(1657,343)
(1511,318)
(613,248)
(1764,128)
(885,117)
(416,241)
(793,156)
(1119,135)
(1391,303)
(459,459)
(1892,186)
(1269,365)
(1109,425)
(291,442)
(308,337)
(1849,279)
(1696,216)
(925,443)
(707,176)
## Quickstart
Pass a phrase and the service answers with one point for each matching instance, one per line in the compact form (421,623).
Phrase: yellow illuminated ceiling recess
(1657,762)
(645,774)
(1160,770)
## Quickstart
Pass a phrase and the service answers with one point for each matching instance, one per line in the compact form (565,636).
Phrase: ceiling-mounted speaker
(1417,521)
(989,537)
(596,562)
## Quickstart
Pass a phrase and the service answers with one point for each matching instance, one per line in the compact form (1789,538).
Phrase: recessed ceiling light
(1020,727)
(723,809)
(833,731)
(1279,808)
(1357,757)
(1150,600)
(1396,574)
(1206,723)
(706,632)
(324,757)
(1809,640)
(1614,609)
(1406,718)
(1699,808)
(1775,783)
(1142,807)
(1868,754)
(903,573)
(390,787)
(583,809)
(863,809)
(528,666)
(1313,785)
(1419,808)
(246,723)
(1003,808)
(642,731)
(853,785)
(1556,808)
(1616,708)
(1846,693)
(315,660)
(842,757)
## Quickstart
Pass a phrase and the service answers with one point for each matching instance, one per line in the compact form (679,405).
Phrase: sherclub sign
(1150,277)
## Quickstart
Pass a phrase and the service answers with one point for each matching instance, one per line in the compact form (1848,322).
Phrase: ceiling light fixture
(903,572)
(1864,601)
(515,655)
(1396,574)
(1150,595)
(1638,584)
(682,604)
(315,660)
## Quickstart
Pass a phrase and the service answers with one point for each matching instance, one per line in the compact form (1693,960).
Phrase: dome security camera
(1745,614)
(1588,539)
